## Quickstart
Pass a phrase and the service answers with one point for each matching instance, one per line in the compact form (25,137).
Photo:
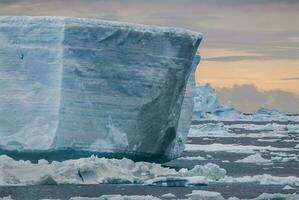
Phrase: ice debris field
(195,195)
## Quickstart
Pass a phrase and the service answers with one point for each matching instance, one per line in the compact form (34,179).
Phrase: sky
(248,45)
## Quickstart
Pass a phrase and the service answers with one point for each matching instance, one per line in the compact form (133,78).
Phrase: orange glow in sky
(275,74)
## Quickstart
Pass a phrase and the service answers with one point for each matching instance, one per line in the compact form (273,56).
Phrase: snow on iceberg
(94,170)
(93,85)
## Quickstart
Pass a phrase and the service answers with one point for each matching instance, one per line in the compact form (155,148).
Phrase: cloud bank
(248,98)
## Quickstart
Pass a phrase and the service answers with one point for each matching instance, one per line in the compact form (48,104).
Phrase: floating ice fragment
(287,187)
(168,195)
(204,195)
(255,158)
(233,148)
(264,179)
(117,197)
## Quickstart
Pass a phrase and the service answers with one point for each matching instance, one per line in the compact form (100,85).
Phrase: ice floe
(118,197)
(191,158)
(218,129)
(6,198)
(194,195)
(209,129)
(287,187)
(95,170)
(255,158)
(255,127)
(199,175)
(277,196)
(269,140)
(264,179)
(233,148)
(168,195)
(204,195)
(284,157)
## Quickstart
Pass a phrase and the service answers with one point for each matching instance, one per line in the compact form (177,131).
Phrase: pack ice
(92,85)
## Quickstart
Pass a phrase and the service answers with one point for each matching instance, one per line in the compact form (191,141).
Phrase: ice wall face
(30,80)
(93,85)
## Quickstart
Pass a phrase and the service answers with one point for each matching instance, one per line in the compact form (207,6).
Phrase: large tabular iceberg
(92,85)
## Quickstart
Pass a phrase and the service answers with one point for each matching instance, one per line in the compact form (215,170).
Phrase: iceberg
(208,108)
(72,84)
(207,105)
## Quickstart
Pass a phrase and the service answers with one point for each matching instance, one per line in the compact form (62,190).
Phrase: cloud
(259,26)
(248,98)
(233,58)
(290,79)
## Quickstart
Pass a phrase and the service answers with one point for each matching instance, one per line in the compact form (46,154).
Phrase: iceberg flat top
(92,21)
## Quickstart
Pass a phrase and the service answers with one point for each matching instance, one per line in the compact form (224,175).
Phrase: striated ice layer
(92,85)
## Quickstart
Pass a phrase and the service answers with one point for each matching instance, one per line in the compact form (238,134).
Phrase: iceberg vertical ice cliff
(92,85)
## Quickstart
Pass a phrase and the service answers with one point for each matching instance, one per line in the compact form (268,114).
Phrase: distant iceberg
(208,107)
(95,86)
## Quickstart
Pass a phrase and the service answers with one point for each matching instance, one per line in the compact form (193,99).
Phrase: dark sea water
(246,190)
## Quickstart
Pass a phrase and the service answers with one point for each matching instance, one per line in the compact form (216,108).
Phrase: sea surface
(245,136)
